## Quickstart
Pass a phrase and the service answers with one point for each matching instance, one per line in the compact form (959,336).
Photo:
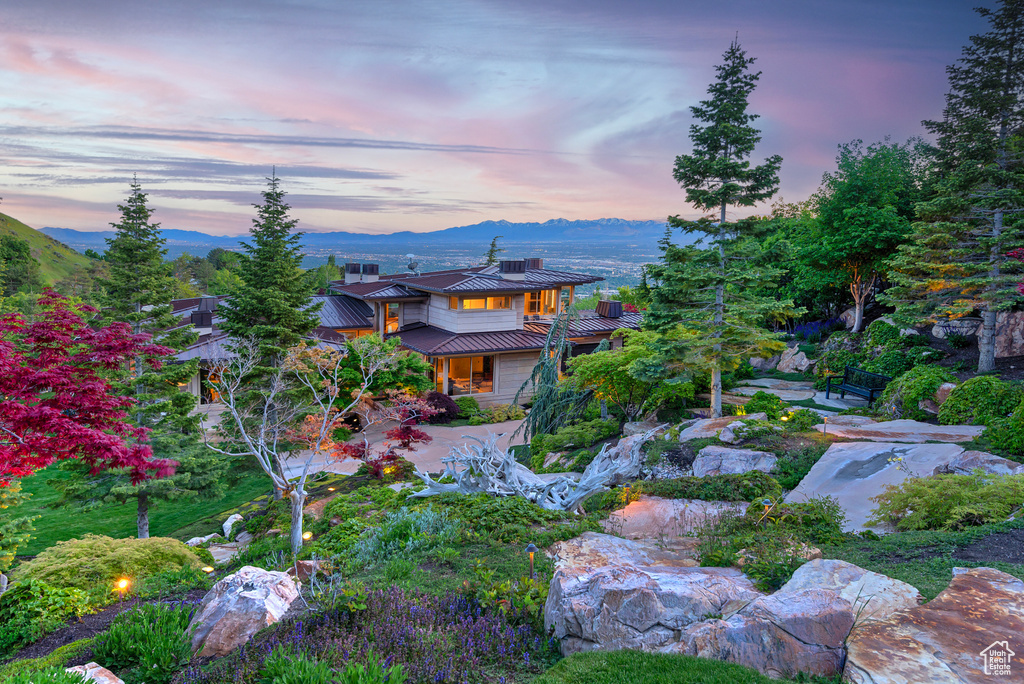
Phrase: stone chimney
(609,308)
(534,264)
(512,270)
(351,273)
(371,273)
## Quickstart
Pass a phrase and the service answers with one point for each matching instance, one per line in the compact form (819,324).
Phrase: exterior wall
(475,320)
(440,316)
(413,312)
(512,371)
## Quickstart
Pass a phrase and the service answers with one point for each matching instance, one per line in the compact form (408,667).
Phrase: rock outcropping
(980,614)
(93,672)
(718,460)
(237,607)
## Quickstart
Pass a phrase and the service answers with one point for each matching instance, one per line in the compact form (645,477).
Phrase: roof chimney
(351,273)
(202,317)
(371,273)
(609,308)
(512,270)
(534,264)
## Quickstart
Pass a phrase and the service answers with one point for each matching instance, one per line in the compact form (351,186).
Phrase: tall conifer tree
(957,261)
(138,291)
(273,304)
(702,304)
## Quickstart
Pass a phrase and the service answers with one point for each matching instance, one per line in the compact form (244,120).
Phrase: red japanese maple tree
(56,396)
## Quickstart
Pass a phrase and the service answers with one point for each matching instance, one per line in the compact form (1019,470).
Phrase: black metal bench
(859,382)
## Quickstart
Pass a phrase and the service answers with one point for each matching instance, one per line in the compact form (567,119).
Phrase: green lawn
(166,519)
(636,667)
(921,559)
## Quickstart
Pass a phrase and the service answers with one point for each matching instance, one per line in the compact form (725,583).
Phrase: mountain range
(600,231)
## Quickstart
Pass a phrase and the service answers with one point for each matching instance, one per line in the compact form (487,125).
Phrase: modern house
(480,328)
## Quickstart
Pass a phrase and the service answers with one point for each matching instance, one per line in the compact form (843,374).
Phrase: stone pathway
(904,431)
(794,390)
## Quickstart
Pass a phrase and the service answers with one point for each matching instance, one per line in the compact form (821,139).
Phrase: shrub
(51,675)
(405,530)
(31,608)
(921,355)
(285,666)
(579,435)
(58,658)
(1006,435)
(468,406)
(882,334)
(958,341)
(793,466)
(980,401)
(834,362)
(902,396)
(500,518)
(446,408)
(802,420)
(149,643)
(743,487)
(891,362)
(96,561)
(763,402)
(949,501)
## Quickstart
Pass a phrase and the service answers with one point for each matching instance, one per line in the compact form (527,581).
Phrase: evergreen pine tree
(957,261)
(702,306)
(491,257)
(274,303)
(138,290)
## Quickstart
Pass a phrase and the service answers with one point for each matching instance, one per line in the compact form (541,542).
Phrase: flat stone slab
(651,517)
(853,472)
(775,383)
(905,431)
(784,394)
(710,427)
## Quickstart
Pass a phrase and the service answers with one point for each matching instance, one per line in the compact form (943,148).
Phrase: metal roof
(216,347)
(588,323)
(462,280)
(344,312)
(432,341)
(375,291)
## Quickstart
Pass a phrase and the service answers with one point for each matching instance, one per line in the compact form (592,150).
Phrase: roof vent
(512,270)
(351,273)
(534,264)
(371,273)
(609,308)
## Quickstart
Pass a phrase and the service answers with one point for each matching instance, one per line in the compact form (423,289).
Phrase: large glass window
(437,366)
(543,303)
(480,303)
(208,379)
(470,375)
(391,318)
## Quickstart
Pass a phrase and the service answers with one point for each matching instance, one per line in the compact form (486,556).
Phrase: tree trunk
(604,410)
(142,519)
(858,316)
(298,499)
(987,342)
(716,372)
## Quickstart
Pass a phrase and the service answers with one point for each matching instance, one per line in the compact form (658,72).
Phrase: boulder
(903,431)
(853,472)
(640,427)
(3,583)
(717,460)
(903,331)
(793,360)
(969,461)
(197,541)
(710,427)
(849,420)
(304,569)
(230,523)
(734,433)
(942,393)
(1009,333)
(959,326)
(94,672)
(849,317)
(974,624)
(765,364)
(651,517)
(872,595)
(237,607)
(609,593)
(778,635)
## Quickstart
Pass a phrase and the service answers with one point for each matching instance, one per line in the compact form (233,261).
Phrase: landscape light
(784,418)
(307,535)
(531,549)
(207,569)
(330,489)
(122,585)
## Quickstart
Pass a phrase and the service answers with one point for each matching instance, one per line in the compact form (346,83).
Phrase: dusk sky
(422,115)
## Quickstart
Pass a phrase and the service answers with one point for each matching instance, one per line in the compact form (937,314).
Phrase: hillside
(56,260)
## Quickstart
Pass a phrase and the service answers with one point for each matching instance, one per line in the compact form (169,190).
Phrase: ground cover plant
(981,400)
(30,609)
(949,502)
(147,644)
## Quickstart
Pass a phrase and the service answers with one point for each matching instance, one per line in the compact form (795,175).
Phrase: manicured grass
(637,667)
(921,559)
(166,519)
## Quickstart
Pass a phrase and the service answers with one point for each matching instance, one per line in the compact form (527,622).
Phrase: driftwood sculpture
(484,467)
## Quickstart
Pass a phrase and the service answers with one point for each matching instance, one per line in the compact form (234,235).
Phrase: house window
(208,393)
(391,317)
(480,303)
(437,370)
(470,375)
(453,302)
(543,303)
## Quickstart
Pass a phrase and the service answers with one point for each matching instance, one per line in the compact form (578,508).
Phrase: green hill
(56,260)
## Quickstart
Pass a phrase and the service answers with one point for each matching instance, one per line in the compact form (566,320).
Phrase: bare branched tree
(286,419)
